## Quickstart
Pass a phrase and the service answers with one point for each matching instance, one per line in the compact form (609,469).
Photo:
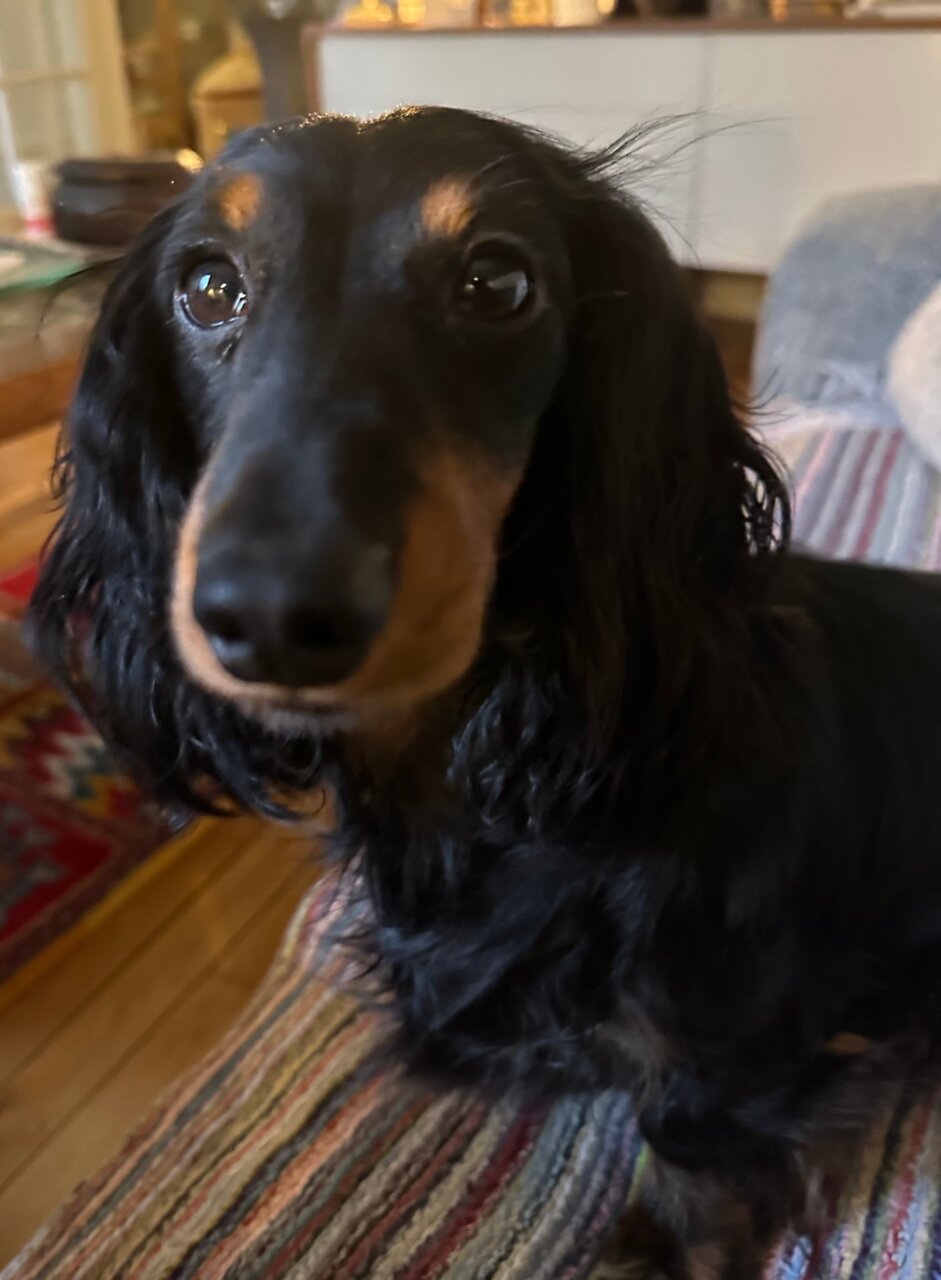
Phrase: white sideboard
(772,121)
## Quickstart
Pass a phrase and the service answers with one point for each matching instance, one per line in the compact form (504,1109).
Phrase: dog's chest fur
(520,974)
(556,966)
(561,967)
(513,958)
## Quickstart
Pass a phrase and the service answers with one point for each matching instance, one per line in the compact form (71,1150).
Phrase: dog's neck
(496,763)
(483,838)
(508,758)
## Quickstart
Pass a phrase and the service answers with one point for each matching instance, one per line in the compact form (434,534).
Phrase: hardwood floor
(102,1022)
(26,513)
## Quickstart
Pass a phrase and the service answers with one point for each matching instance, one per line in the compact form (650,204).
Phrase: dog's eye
(494,286)
(214,293)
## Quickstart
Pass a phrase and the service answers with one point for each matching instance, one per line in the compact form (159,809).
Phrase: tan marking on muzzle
(190,639)
(847,1044)
(446,571)
(446,207)
(239,200)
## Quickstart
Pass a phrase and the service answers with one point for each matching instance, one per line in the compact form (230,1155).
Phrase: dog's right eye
(214,293)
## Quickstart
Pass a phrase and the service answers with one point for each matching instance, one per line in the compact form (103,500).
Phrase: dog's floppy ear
(685,487)
(658,512)
(99,617)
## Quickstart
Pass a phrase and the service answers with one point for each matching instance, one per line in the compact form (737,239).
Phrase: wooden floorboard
(187,1031)
(39,1001)
(57,1080)
(26,510)
(80,1077)
(70,948)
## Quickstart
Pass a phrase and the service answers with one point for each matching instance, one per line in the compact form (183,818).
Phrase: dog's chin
(302,718)
(307,712)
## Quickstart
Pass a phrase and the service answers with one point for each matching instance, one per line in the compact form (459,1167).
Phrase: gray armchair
(842,294)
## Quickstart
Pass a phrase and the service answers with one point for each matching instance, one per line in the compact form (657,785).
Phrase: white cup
(31,194)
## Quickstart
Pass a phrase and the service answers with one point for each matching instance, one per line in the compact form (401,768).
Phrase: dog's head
(362,388)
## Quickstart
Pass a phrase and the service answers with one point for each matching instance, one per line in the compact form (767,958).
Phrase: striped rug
(297,1150)
(863,494)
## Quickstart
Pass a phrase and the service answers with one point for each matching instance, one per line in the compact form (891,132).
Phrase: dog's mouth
(301,717)
(430,636)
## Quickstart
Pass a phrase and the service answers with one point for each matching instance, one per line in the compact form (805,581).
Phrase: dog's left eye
(495,286)
(214,293)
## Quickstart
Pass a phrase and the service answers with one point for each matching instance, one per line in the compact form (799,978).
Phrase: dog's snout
(289,624)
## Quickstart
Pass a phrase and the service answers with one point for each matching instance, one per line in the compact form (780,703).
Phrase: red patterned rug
(71,825)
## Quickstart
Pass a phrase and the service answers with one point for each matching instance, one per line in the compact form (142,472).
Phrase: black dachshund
(401,464)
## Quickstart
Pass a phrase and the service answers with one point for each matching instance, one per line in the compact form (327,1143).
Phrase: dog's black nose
(289,624)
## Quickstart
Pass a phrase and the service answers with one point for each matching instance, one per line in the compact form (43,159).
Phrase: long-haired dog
(401,464)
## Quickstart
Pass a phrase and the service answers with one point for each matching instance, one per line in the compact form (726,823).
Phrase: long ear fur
(650,519)
(99,617)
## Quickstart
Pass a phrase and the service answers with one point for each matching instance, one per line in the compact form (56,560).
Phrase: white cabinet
(771,123)
(811,115)
(583,85)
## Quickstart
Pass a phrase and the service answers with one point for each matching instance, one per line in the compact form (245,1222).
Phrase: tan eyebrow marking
(446,207)
(239,200)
